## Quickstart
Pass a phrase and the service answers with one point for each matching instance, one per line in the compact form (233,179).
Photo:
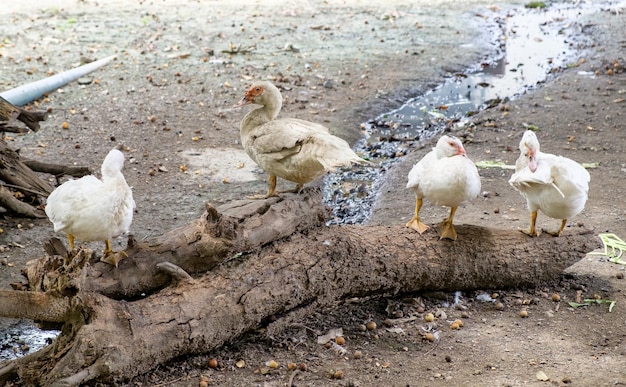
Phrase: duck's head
(113,163)
(261,93)
(449,146)
(529,148)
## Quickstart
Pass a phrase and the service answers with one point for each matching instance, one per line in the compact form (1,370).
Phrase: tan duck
(292,149)
(555,185)
(92,209)
(446,177)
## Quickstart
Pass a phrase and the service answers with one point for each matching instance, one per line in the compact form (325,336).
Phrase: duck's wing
(284,138)
(543,175)
(279,138)
(310,126)
(572,172)
(420,170)
(72,198)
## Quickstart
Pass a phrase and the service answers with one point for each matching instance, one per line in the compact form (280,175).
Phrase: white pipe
(24,94)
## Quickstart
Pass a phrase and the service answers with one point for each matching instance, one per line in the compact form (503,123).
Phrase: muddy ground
(168,96)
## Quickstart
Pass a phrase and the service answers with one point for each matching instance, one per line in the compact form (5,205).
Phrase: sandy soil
(168,97)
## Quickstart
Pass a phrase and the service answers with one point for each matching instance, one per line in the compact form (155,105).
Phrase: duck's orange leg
(271,189)
(532,230)
(415,223)
(447,228)
(558,233)
(296,189)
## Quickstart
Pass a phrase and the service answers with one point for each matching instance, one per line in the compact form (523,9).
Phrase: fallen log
(272,273)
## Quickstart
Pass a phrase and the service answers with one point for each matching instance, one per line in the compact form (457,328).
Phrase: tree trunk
(269,258)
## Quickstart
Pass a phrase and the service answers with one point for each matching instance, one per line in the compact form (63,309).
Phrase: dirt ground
(168,96)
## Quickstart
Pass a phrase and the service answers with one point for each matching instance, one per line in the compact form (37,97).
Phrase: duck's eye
(258,89)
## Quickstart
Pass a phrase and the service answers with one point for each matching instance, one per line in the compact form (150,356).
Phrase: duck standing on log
(92,209)
(293,149)
(555,185)
(446,177)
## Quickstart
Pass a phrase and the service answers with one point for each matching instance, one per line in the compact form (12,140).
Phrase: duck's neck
(113,178)
(261,115)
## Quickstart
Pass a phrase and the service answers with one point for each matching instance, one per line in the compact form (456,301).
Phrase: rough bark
(9,113)
(290,261)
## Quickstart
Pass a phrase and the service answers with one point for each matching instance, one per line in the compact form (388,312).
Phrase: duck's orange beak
(242,102)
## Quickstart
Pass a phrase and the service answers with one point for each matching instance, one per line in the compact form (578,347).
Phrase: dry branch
(57,169)
(113,340)
(15,172)
(9,113)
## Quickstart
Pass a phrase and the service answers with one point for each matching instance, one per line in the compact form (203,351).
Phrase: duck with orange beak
(556,185)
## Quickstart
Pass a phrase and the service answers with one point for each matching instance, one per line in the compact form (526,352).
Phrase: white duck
(90,209)
(555,185)
(446,177)
(296,150)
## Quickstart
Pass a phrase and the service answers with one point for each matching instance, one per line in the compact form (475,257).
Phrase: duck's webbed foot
(416,225)
(114,257)
(447,231)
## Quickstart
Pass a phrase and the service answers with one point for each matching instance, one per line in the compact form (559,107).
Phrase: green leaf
(532,127)
(535,4)
(493,164)
(614,247)
(589,301)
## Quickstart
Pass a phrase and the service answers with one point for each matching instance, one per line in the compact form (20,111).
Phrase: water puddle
(536,43)
(21,337)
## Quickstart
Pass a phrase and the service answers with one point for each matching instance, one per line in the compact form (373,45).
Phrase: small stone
(542,376)
(84,80)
